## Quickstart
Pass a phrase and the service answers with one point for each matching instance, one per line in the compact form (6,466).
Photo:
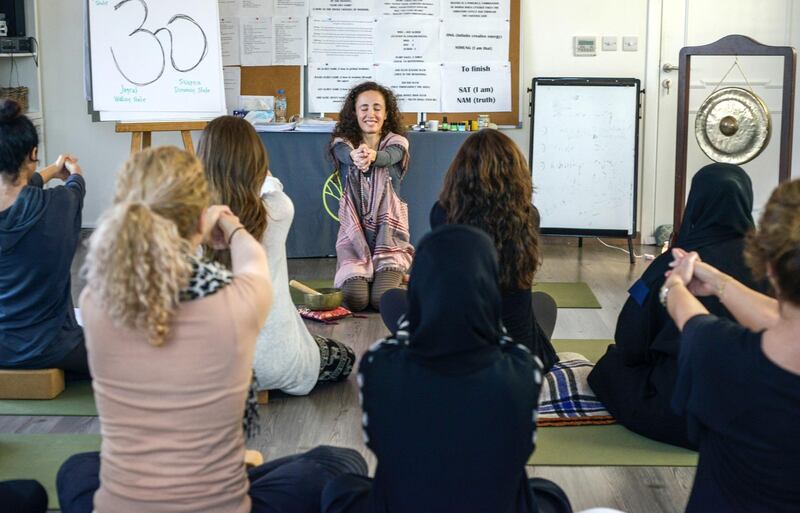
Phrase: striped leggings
(358,292)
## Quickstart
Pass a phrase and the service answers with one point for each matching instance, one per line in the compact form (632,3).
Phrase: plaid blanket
(567,400)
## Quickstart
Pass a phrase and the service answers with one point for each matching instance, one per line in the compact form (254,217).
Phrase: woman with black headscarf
(450,402)
(636,376)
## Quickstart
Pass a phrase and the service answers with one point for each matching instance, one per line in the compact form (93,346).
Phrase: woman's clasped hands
(363,157)
(700,278)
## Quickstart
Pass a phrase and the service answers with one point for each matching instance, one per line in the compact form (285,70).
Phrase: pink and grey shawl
(379,239)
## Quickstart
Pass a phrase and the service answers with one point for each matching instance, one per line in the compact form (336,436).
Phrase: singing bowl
(327,299)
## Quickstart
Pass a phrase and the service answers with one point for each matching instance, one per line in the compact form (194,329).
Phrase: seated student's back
(738,383)
(39,233)
(449,402)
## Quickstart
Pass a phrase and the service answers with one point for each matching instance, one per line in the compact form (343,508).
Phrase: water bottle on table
(280,107)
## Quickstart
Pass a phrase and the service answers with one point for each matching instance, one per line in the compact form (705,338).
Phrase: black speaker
(15,16)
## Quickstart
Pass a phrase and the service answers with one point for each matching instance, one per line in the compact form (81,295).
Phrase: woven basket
(18,94)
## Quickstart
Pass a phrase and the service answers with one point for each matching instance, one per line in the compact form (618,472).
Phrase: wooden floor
(331,415)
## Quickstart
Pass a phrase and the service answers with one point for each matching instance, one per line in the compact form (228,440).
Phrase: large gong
(733,125)
(730,148)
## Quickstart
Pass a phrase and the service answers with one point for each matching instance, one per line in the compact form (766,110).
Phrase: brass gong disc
(733,125)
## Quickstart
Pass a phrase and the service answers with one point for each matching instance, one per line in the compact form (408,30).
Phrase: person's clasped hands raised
(62,168)
(700,278)
(363,157)
(220,225)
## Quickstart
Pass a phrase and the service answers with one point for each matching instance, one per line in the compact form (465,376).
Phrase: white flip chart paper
(156,56)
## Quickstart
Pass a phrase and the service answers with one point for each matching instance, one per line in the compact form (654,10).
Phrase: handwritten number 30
(140,30)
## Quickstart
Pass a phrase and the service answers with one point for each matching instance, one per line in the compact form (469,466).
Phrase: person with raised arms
(373,248)
(39,233)
(171,337)
(738,383)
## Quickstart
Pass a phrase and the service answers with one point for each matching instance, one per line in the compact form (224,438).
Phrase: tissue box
(258,103)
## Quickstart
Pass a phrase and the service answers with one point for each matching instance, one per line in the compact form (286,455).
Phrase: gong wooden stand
(733,45)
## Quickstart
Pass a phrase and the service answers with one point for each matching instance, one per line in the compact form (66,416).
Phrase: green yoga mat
(605,446)
(592,349)
(76,400)
(566,294)
(575,294)
(40,456)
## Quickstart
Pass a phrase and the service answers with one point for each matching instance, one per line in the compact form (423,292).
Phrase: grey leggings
(358,292)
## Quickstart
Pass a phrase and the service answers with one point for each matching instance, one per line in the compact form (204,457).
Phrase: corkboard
(266,80)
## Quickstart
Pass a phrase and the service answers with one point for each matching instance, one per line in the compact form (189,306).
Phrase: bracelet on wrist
(230,237)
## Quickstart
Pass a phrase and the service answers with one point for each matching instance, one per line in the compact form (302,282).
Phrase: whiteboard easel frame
(594,82)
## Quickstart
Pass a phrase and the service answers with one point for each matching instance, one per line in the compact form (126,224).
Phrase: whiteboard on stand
(584,154)
(156,59)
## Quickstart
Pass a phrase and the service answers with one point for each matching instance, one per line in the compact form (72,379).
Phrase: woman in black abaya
(449,402)
(636,376)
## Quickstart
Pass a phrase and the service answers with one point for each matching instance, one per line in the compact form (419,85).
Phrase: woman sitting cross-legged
(171,338)
(738,382)
(449,401)
(636,376)
(489,186)
(288,357)
(39,233)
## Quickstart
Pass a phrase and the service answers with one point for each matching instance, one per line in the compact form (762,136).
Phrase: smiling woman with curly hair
(373,249)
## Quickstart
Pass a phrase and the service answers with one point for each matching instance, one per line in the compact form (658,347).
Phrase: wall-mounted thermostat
(585,46)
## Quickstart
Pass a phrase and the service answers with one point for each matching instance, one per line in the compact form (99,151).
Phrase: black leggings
(292,484)
(350,494)
(22,496)
(75,363)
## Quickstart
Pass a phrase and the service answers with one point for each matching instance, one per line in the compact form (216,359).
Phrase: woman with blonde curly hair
(171,338)
(739,382)
(288,357)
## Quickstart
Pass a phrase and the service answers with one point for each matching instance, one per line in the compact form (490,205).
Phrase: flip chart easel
(142,133)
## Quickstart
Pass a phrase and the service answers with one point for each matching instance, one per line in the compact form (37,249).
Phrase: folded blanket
(566,398)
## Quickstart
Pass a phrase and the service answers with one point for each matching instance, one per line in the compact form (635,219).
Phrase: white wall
(68,126)
(548,28)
